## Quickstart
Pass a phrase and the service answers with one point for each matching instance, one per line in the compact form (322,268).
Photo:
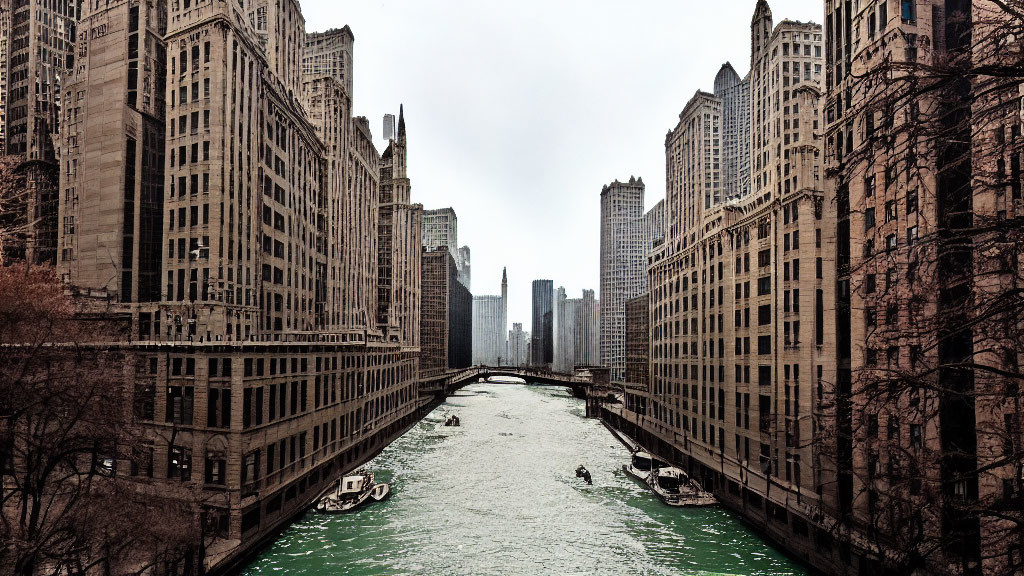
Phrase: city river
(498,495)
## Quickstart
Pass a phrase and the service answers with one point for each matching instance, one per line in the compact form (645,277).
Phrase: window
(764,315)
(764,285)
(869,218)
(908,11)
(764,345)
(179,404)
(179,463)
(911,235)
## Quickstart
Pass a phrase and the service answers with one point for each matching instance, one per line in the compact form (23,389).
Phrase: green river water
(499,495)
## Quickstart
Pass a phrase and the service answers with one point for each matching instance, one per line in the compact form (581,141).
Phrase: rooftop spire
(401,122)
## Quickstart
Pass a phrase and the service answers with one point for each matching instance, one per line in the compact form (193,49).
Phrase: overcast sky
(518,112)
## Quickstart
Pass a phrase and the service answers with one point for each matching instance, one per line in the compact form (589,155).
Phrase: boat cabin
(352,485)
(671,480)
(645,462)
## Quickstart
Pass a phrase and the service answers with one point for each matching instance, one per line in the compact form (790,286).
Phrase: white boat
(641,465)
(380,492)
(352,492)
(673,487)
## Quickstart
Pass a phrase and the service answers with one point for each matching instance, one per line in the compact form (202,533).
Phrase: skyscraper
(625,240)
(587,333)
(465,270)
(110,239)
(734,94)
(441,228)
(446,325)
(542,346)
(229,208)
(399,246)
(389,127)
(41,45)
(924,178)
(736,314)
(518,346)
(5,34)
(490,328)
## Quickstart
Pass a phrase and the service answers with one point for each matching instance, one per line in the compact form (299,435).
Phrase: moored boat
(380,492)
(352,491)
(675,488)
(641,465)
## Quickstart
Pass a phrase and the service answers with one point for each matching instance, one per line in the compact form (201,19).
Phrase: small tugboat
(642,464)
(453,420)
(352,492)
(582,472)
(673,487)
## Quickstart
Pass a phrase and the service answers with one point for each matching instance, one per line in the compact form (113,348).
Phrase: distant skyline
(517,117)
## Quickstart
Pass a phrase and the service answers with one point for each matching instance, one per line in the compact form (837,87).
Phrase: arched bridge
(443,385)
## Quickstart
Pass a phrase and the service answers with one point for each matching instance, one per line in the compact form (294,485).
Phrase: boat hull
(638,475)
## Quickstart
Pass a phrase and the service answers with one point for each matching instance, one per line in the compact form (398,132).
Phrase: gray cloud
(519,112)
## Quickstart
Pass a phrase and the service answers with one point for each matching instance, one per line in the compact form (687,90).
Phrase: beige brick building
(222,196)
(926,188)
(738,294)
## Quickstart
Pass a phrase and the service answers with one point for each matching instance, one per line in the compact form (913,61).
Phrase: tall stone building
(734,94)
(542,344)
(441,228)
(352,176)
(927,193)
(564,331)
(220,197)
(40,53)
(518,346)
(446,326)
(738,292)
(465,272)
(399,246)
(575,330)
(627,234)
(5,36)
(638,341)
(113,147)
(490,327)
(587,334)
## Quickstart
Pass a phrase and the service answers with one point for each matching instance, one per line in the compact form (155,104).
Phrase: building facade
(441,229)
(221,195)
(490,327)
(627,234)
(399,247)
(518,346)
(638,341)
(734,94)
(922,187)
(738,313)
(111,211)
(446,325)
(542,344)
(5,35)
(465,271)
(41,41)
(576,331)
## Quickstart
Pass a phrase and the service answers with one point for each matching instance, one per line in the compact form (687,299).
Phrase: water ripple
(499,496)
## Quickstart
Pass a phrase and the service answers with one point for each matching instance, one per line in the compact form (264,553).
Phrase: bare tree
(70,455)
(14,225)
(933,412)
